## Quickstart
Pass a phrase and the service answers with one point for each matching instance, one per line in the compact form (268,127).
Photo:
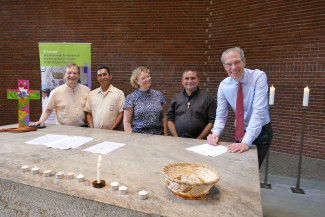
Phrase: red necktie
(240,129)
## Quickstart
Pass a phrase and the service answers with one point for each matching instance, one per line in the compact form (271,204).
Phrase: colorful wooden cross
(23,94)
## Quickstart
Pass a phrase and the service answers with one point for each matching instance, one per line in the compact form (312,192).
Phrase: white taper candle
(272,93)
(306,96)
(99,167)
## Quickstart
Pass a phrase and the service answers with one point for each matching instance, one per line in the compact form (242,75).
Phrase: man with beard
(192,111)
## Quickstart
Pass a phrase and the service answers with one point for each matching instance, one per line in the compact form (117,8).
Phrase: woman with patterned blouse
(144,110)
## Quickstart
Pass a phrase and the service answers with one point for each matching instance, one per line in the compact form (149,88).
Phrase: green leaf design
(34,95)
(22,104)
(12,95)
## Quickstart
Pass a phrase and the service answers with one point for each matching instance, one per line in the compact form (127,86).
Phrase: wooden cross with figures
(23,94)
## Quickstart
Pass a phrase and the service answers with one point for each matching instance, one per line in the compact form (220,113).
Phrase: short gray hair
(69,65)
(233,49)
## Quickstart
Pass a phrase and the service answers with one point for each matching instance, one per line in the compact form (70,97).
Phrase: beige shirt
(105,106)
(69,104)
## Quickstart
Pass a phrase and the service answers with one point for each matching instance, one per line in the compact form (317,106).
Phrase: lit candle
(143,195)
(272,93)
(80,178)
(35,170)
(122,190)
(47,173)
(59,175)
(25,168)
(114,186)
(99,167)
(306,96)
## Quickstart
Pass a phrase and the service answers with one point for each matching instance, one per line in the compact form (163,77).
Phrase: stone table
(138,165)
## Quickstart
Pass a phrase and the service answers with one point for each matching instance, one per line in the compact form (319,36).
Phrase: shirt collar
(243,81)
(100,90)
(143,92)
(192,95)
(74,89)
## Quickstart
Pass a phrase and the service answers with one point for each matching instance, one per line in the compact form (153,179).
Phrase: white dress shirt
(256,112)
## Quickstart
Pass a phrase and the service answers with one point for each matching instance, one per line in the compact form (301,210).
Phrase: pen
(213,136)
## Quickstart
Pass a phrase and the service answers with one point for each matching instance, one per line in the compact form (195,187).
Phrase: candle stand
(98,185)
(297,189)
(265,185)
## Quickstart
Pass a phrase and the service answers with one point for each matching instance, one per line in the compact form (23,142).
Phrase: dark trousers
(263,142)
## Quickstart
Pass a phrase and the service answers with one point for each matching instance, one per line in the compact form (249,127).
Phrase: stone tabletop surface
(138,165)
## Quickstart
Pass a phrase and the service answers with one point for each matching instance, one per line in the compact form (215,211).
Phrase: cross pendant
(188,105)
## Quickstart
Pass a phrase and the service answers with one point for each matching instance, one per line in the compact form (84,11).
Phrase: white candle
(80,178)
(272,93)
(25,168)
(70,175)
(143,195)
(35,170)
(59,175)
(122,190)
(47,173)
(114,186)
(99,167)
(306,96)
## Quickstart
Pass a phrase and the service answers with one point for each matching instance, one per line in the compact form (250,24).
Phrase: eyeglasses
(236,63)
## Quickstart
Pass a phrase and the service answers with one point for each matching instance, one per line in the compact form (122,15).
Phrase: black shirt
(190,119)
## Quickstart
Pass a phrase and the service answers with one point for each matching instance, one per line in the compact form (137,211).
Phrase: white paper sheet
(104,147)
(70,142)
(60,141)
(208,150)
(47,139)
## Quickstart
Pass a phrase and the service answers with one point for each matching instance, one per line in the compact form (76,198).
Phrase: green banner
(59,54)
(53,59)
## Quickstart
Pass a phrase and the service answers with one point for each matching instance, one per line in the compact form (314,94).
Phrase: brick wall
(286,39)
